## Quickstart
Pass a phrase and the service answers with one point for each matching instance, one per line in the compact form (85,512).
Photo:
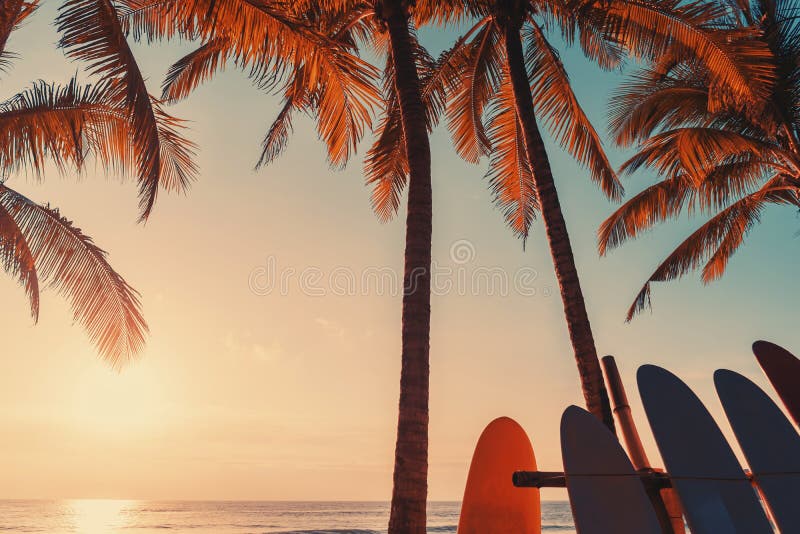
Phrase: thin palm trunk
(409,494)
(580,332)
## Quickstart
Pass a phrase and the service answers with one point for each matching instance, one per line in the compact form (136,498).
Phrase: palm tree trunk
(580,332)
(410,491)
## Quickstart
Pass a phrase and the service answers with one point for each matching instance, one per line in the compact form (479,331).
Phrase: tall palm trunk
(580,332)
(410,491)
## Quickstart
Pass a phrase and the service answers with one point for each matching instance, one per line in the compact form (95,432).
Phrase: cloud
(332,328)
(241,345)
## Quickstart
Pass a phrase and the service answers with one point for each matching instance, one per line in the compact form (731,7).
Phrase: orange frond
(563,114)
(67,260)
(480,71)
(510,173)
(186,74)
(17,259)
(91,31)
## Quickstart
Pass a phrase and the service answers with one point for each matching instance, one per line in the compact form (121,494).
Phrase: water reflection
(89,516)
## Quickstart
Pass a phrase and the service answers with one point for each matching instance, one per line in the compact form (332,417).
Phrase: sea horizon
(132,516)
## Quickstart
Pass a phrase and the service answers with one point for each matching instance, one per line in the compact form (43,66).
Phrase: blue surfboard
(769,442)
(716,494)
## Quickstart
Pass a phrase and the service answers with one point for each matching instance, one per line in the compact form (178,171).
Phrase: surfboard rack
(557,479)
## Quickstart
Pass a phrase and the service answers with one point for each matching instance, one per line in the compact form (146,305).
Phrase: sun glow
(125,403)
(97,515)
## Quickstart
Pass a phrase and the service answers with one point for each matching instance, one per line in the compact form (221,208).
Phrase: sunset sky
(291,395)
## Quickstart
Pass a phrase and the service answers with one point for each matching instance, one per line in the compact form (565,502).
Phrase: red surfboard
(492,504)
(783,370)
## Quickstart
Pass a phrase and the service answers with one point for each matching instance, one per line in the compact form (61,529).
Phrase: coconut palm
(508,77)
(724,161)
(64,124)
(307,50)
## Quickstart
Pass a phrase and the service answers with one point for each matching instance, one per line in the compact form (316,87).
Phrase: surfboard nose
(649,372)
(491,503)
(573,421)
(576,425)
(729,383)
(760,346)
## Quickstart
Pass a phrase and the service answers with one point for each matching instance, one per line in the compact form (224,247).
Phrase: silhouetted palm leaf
(67,260)
(91,31)
(17,259)
(712,245)
(12,14)
(716,157)
(739,64)
(510,174)
(191,70)
(274,42)
(563,115)
(60,124)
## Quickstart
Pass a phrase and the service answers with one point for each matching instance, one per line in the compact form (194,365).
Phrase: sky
(291,394)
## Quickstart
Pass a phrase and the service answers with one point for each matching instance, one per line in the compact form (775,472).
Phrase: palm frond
(562,113)
(12,14)
(277,136)
(272,40)
(736,59)
(696,150)
(510,173)
(655,204)
(587,21)
(17,259)
(53,122)
(712,245)
(481,69)
(91,31)
(345,100)
(652,99)
(386,164)
(196,67)
(68,260)
(178,169)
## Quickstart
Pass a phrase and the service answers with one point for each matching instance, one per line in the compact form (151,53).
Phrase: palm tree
(725,160)
(64,124)
(309,48)
(507,70)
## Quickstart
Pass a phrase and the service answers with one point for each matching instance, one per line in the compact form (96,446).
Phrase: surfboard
(769,442)
(716,495)
(605,492)
(783,370)
(491,503)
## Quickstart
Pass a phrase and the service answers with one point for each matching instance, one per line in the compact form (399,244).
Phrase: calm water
(150,517)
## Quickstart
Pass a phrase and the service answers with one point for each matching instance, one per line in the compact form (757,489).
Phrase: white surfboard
(716,495)
(605,492)
(769,442)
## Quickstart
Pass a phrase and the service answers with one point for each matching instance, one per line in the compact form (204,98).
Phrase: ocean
(244,517)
